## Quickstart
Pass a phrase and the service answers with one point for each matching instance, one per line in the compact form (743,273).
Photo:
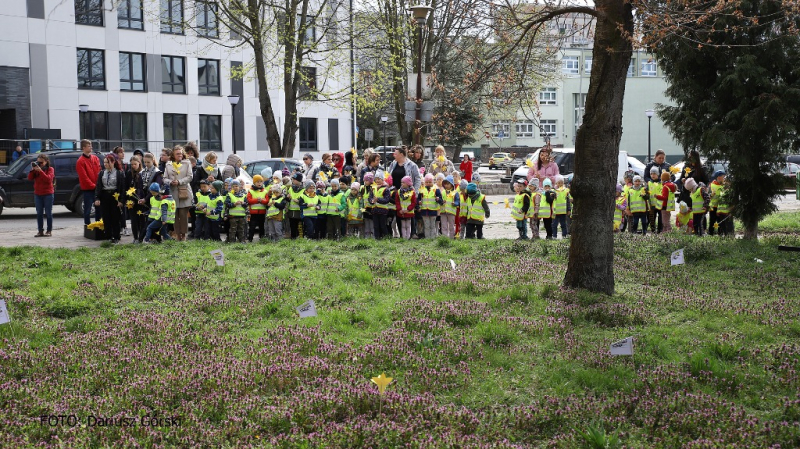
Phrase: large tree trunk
(591,251)
(751,231)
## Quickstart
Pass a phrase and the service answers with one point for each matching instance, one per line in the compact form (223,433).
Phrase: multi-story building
(147,74)
(561,108)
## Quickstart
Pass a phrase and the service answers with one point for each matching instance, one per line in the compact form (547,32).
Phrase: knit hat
(429,177)
(463,184)
(285,171)
(334,181)
(138,153)
(217,185)
(154,187)
(308,155)
(559,179)
(653,169)
(235,182)
(277,175)
(718,173)
(476,177)
(266,173)
(379,174)
(369,176)
(348,168)
(690,184)
(547,183)
(355,185)
(203,181)
(472,188)
(521,181)
(298,177)
(534,182)
(258,178)
(407,180)
(637,178)
(439,176)
(307,184)
(276,188)
(619,188)
(228,180)
(320,185)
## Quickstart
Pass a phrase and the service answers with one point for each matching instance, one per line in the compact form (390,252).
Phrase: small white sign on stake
(622,347)
(307,309)
(4,317)
(677,257)
(219,257)
(453,264)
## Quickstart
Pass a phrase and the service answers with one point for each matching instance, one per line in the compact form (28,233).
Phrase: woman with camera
(43,176)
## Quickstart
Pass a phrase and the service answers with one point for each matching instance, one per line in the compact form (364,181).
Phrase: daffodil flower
(129,203)
(131,191)
(116,196)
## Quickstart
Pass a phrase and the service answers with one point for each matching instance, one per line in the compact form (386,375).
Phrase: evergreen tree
(736,86)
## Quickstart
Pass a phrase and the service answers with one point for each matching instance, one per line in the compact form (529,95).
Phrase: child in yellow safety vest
(683,220)
(406,202)
(365,192)
(257,202)
(477,211)
(276,204)
(354,212)
(627,184)
(638,202)
(449,209)
(667,199)
(560,208)
(546,208)
(430,199)
(335,209)
(699,203)
(162,213)
(379,198)
(719,213)
(213,211)
(620,205)
(321,226)
(533,211)
(309,204)
(520,207)
(654,211)
(236,213)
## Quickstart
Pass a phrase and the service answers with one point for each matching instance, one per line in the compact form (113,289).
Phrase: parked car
(789,172)
(498,158)
(256,167)
(244,177)
(17,191)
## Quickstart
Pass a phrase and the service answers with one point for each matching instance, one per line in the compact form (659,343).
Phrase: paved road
(18,226)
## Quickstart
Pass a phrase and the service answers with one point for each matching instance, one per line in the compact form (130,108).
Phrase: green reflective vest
(202,199)
(475,210)
(273,206)
(212,207)
(259,195)
(155,209)
(449,206)
(293,206)
(428,198)
(532,208)
(334,202)
(635,201)
(545,209)
(237,211)
(697,201)
(654,188)
(516,208)
(560,204)
(170,209)
(354,212)
(311,205)
(617,212)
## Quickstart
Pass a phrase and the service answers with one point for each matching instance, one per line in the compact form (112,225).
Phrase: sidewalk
(63,237)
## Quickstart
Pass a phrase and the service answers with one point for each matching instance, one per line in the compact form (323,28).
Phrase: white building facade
(146,80)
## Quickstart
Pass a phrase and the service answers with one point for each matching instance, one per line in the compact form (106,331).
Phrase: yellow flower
(687,170)
(441,158)
(674,170)
(382,381)
(116,196)
(434,166)
(129,203)
(210,169)
(138,212)
(131,191)
(529,163)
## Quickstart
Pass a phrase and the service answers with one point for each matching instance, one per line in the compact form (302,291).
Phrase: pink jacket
(549,171)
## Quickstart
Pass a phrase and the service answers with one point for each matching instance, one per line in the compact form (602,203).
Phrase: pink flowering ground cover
(157,347)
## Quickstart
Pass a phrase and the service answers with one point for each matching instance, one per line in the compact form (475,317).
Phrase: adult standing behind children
(440,163)
(88,167)
(545,167)
(466,168)
(178,175)
(43,175)
(110,194)
(232,166)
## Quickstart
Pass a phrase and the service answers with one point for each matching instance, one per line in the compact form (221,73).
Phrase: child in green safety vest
(560,208)
(477,211)
(533,211)
(335,208)
(406,202)
(447,215)
(546,208)
(309,205)
(214,210)
(162,211)
(520,207)
(257,206)
(667,199)
(698,203)
(430,199)
(200,220)
(236,213)
(365,193)
(654,210)
(293,194)
(354,214)
(321,227)
(620,204)
(719,211)
(638,201)
(276,203)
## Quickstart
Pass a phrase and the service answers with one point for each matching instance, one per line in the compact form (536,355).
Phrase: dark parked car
(256,167)
(17,191)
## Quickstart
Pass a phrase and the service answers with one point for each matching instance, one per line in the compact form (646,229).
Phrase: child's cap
(449,180)
(258,178)
(534,183)
(406,180)
(355,185)
(389,180)
(309,184)
(348,168)
(379,174)
(235,182)
(637,178)
(320,185)
(369,176)
(653,169)
(472,188)
(690,184)
(228,181)
(217,185)
(718,173)
(521,181)
(154,187)
(298,177)
(476,177)
(559,179)
(276,188)
(203,181)
(463,184)
(428,177)
(334,182)
(439,176)
(547,183)
(277,175)
(618,188)
(266,173)
(285,171)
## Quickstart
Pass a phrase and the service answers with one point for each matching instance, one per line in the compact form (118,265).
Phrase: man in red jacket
(88,170)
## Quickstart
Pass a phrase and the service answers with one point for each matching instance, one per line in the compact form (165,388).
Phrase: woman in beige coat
(178,175)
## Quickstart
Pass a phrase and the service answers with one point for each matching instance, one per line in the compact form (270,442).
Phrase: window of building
(308,134)
(129,14)
(333,135)
(134,131)
(94,125)
(547,96)
(632,68)
(174,129)
(132,72)
(579,105)
(208,77)
(173,75)
(311,32)
(547,127)
(649,68)
(211,132)
(308,84)
(569,65)
(587,65)
(91,69)
(172,16)
(501,128)
(89,12)
(525,128)
(207,23)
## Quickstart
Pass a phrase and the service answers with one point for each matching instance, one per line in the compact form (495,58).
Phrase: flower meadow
(157,347)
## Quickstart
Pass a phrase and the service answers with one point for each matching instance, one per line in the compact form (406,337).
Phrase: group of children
(553,206)
(653,202)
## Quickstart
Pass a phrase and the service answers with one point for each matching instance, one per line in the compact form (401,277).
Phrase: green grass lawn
(494,353)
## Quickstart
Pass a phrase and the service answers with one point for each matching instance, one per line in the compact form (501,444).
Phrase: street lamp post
(384,119)
(83,108)
(420,13)
(234,100)
(649,113)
